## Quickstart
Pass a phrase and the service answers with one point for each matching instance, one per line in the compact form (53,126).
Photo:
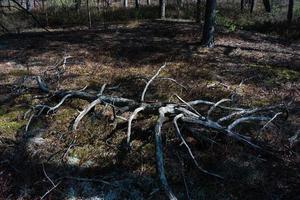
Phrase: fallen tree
(180,113)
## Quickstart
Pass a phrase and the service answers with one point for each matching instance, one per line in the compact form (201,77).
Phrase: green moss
(9,122)
(275,75)
(64,115)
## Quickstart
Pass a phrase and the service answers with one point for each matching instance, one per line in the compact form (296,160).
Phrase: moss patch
(11,121)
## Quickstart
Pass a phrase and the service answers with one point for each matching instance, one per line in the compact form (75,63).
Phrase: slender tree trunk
(46,12)
(267,5)
(98,5)
(198,11)
(162,5)
(252,5)
(89,13)
(209,23)
(137,4)
(77,5)
(290,11)
(148,2)
(125,3)
(242,5)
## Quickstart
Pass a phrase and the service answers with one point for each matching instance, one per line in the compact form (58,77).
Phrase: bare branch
(189,149)
(159,153)
(215,105)
(84,112)
(243,119)
(188,105)
(132,116)
(150,81)
(59,104)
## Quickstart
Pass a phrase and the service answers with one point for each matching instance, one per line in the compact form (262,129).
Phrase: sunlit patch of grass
(19,72)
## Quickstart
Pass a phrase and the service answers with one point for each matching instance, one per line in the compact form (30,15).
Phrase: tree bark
(125,2)
(252,6)
(89,13)
(198,11)
(148,2)
(209,23)
(267,5)
(290,11)
(162,5)
(77,5)
(242,5)
(137,4)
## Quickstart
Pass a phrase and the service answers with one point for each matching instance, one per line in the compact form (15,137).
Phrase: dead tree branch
(181,114)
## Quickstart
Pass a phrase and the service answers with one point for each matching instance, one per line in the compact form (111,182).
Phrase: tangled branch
(180,113)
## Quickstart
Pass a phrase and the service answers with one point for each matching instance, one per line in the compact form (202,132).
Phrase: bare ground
(118,55)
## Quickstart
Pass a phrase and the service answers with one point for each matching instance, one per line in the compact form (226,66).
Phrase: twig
(149,82)
(136,111)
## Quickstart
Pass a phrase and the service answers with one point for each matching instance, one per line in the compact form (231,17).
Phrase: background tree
(209,22)
(290,11)
(198,11)
(242,5)
(267,5)
(162,5)
(252,5)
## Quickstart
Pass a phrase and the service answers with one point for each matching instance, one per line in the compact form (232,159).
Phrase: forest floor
(93,163)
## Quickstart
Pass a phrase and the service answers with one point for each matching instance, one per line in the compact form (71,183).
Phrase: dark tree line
(209,18)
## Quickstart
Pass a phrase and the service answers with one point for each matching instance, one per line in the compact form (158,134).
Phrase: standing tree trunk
(98,5)
(290,11)
(198,11)
(267,5)
(252,6)
(209,23)
(89,13)
(162,5)
(125,3)
(137,4)
(148,2)
(242,5)
(77,5)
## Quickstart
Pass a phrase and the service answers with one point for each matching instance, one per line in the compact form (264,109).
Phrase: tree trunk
(162,5)
(290,11)
(89,13)
(148,2)
(267,5)
(242,5)
(137,4)
(198,11)
(77,5)
(98,5)
(125,3)
(252,6)
(209,23)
